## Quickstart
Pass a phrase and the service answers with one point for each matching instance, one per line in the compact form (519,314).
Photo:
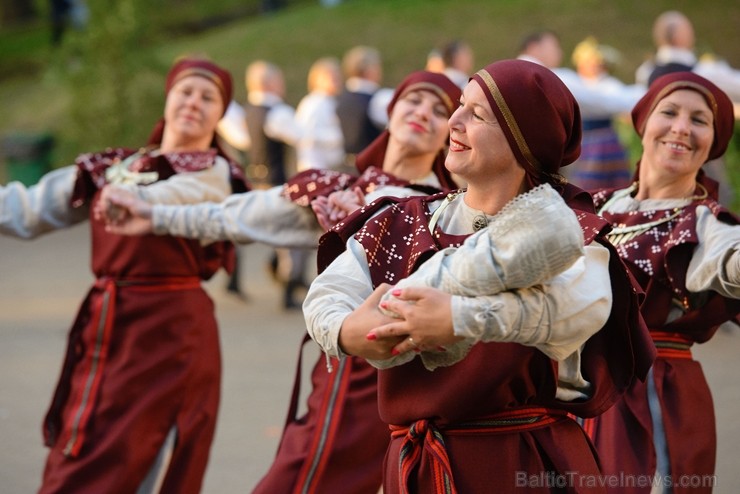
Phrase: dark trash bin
(27,156)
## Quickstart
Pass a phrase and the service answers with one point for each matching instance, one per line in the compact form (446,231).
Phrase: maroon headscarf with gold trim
(717,100)
(422,80)
(538,114)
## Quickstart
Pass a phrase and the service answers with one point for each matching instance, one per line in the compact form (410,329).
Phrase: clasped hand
(123,212)
(425,324)
(333,208)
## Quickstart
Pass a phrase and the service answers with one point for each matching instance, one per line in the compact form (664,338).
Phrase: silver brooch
(479,222)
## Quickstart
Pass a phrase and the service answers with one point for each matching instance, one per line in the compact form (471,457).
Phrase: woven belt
(672,345)
(423,435)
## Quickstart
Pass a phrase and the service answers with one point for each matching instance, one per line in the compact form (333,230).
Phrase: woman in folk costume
(682,247)
(136,404)
(338,446)
(498,418)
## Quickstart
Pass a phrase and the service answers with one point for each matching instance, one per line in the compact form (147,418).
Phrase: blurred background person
(361,106)
(543,47)
(273,135)
(64,14)
(434,62)
(271,124)
(320,146)
(604,161)
(458,60)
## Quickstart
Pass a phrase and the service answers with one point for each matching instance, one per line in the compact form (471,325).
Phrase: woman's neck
(664,186)
(492,197)
(407,166)
(171,144)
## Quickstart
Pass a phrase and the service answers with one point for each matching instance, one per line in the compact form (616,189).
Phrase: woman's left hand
(426,320)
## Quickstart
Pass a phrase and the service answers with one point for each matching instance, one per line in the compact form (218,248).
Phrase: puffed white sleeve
(334,294)
(377,109)
(556,317)
(715,264)
(27,212)
(263,216)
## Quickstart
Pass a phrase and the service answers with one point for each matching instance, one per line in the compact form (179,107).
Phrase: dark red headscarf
(718,101)
(538,114)
(441,86)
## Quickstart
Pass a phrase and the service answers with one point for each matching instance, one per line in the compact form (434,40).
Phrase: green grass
(104,87)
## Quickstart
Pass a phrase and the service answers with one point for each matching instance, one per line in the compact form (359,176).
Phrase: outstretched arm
(257,216)
(27,212)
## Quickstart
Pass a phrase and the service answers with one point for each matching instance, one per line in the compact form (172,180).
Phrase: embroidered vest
(659,257)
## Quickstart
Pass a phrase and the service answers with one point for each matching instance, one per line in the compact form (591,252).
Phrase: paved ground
(42,283)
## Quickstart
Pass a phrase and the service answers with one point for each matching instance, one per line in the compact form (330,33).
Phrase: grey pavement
(42,282)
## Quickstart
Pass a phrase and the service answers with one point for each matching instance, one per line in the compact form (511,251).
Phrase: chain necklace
(623,234)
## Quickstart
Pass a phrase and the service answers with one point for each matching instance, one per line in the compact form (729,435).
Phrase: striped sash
(423,435)
(672,345)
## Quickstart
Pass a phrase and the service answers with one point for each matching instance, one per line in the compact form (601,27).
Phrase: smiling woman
(676,143)
(193,108)
(683,248)
(136,403)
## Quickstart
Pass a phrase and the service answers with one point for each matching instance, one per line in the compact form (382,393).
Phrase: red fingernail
(394,352)
(384,304)
(371,336)
(396,292)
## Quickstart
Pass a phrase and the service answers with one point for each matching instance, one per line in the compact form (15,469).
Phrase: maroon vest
(659,257)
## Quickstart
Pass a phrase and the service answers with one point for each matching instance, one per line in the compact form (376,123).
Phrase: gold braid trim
(509,117)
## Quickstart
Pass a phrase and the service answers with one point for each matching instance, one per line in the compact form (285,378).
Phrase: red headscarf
(538,114)
(441,86)
(717,100)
